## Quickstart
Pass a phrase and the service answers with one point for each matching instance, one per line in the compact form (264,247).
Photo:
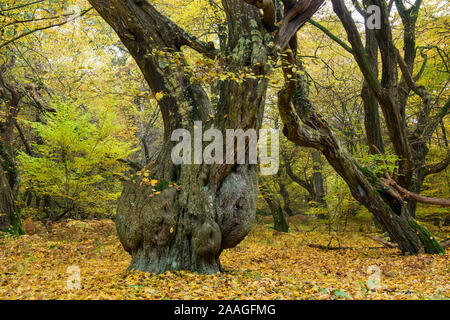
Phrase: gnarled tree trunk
(215,206)
(384,202)
(187,227)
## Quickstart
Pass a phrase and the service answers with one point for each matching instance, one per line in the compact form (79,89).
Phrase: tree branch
(331,36)
(294,19)
(133,164)
(408,195)
(21,6)
(24,140)
(419,90)
(359,8)
(44,28)
(438,167)
(269,11)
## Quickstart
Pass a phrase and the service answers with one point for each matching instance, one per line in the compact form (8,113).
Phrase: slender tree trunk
(307,184)
(370,103)
(272,200)
(286,198)
(284,193)
(319,186)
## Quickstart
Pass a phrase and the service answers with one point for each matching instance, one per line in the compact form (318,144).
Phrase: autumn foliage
(266,265)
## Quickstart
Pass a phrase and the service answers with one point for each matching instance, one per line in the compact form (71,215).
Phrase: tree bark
(319,185)
(286,198)
(9,214)
(272,200)
(371,115)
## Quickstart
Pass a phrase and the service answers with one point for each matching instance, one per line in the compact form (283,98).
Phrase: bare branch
(408,195)
(359,8)
(331,36)
(419,90)
(44,28)
(20,6)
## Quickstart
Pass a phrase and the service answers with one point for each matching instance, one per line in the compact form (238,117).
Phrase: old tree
(188,227)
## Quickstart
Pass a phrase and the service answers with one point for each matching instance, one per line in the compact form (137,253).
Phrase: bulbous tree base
(185,229)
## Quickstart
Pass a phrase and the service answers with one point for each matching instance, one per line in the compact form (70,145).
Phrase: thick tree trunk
(211,207)
(9,213)
(186,229)
(6,203)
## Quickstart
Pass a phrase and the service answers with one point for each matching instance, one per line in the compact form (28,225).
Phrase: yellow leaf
(159,95)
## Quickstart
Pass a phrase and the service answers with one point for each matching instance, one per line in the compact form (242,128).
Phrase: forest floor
(266,265)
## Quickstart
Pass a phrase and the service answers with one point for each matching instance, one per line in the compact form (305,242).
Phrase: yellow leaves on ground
(266,265)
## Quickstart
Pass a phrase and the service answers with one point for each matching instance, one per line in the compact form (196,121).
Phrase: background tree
(380,197)
(275,207)
(77,164)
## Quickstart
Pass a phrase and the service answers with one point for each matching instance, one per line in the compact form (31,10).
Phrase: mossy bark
(9,213)
(411,235)
(430,244)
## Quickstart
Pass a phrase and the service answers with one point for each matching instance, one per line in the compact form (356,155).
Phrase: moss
(16,228)
(426,238)
(8,166)
(372,177)
(280,223)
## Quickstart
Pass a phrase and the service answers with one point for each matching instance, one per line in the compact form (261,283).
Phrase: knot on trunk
(236,205)
(206,239)
(142,219)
